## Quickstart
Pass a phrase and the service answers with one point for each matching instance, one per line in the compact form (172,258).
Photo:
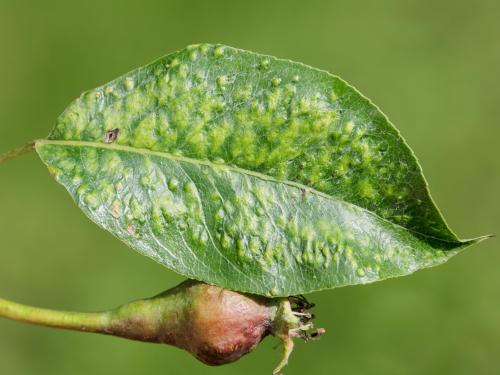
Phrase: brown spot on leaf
(111,135)
(116,209)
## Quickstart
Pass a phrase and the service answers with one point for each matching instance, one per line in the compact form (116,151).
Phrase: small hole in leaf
(111,135)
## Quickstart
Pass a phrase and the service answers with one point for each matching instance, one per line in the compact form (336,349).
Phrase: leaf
(250,172)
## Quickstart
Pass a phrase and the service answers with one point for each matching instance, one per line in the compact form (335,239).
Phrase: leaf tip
(472,241)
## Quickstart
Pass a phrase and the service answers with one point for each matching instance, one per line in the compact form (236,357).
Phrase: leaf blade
(282,126)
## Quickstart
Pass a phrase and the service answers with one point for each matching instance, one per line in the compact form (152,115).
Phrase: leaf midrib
(208,163)
(225,167)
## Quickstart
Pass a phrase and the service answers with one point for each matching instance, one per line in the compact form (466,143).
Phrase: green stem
(12,154)
(77,321)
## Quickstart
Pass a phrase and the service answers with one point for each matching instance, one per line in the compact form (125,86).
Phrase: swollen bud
(216,325)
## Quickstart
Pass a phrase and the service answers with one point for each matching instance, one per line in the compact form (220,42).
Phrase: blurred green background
(432,66)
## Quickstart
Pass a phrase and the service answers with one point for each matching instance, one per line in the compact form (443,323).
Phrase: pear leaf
(249,172)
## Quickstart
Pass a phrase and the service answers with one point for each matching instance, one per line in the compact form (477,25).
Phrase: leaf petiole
(12,154)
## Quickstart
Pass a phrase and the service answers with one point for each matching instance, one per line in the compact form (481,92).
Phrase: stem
(12,154)
(77,321)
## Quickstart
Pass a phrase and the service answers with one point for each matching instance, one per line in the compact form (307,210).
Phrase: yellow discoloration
(276,81)
(129,83)
(219,52)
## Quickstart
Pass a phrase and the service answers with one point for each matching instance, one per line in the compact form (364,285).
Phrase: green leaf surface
(250,172)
